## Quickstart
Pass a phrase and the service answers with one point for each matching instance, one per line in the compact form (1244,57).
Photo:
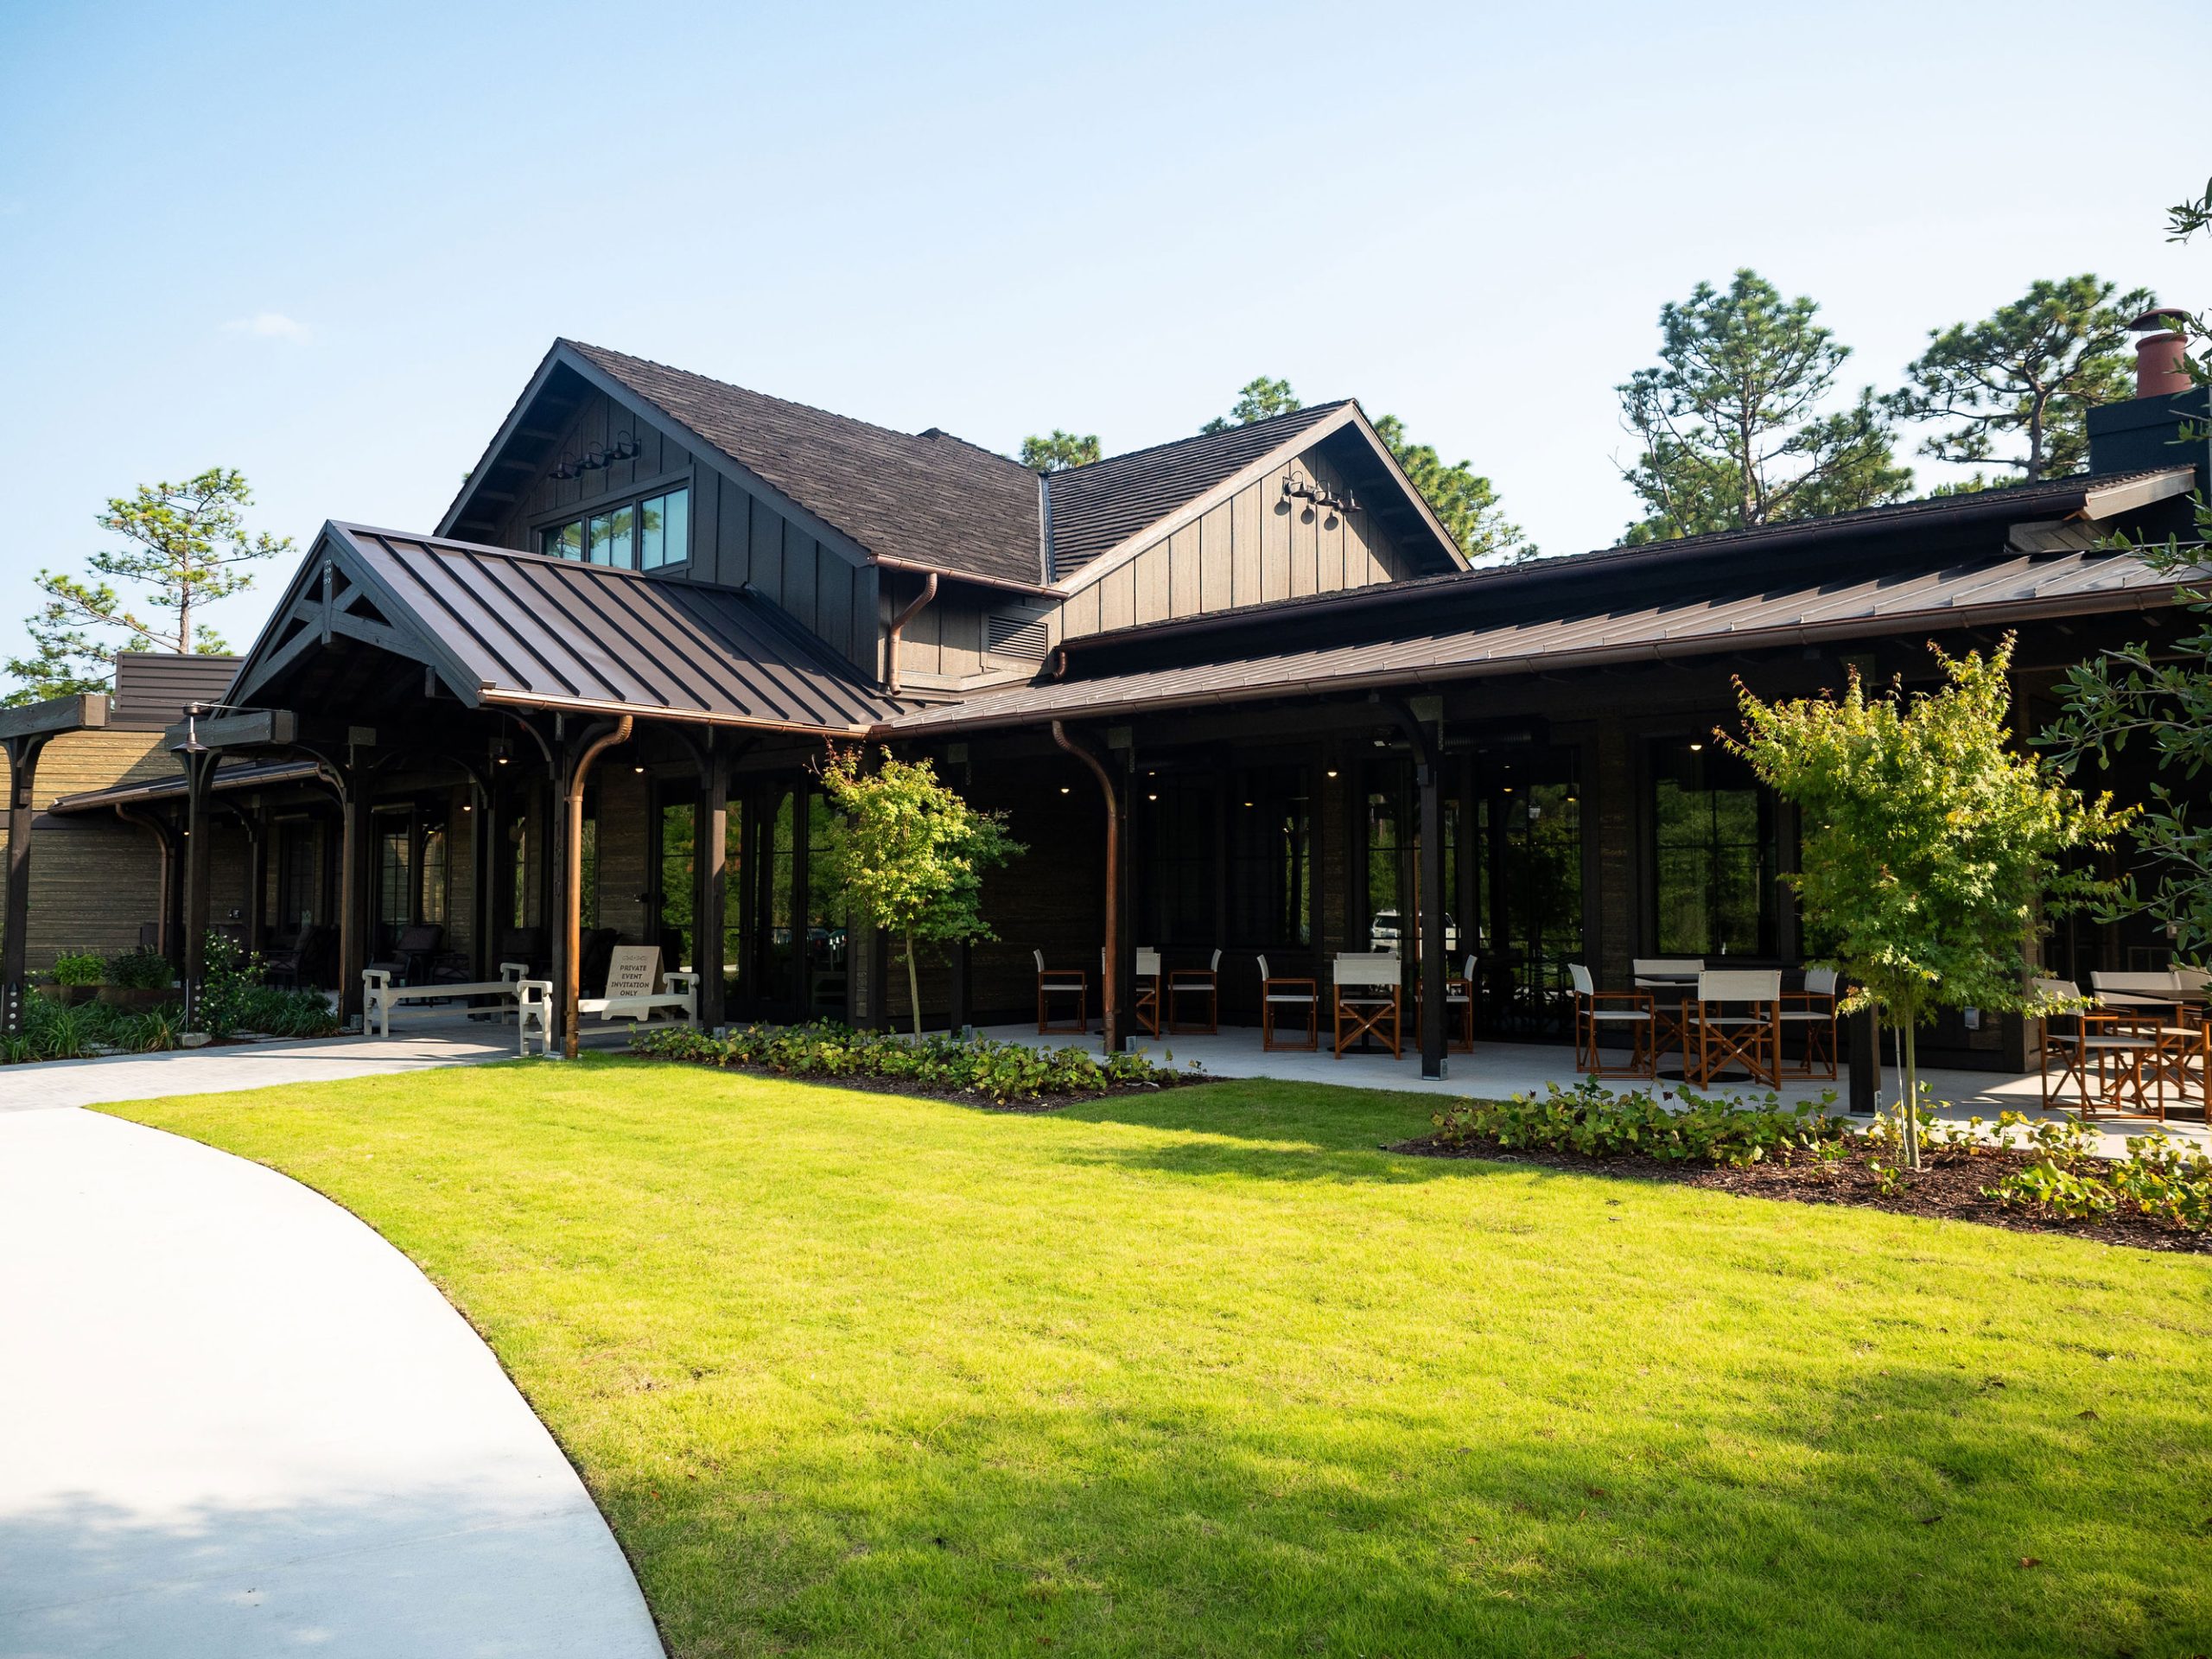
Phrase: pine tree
(1733,423)
(2026,374)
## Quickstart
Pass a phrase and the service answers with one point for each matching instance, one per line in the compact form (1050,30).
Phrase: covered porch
(441,757)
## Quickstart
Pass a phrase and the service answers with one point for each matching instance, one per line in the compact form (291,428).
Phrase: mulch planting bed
(919,1091)
(1949,1185)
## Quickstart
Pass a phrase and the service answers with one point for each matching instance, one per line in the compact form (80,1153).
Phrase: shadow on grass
(1880,1523)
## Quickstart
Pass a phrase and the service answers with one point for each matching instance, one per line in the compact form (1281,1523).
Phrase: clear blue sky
(326,243)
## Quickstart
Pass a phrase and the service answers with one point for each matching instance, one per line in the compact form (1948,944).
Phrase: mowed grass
(1206,1372)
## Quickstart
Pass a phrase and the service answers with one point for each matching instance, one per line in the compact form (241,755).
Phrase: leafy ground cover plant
(998,1071)
(1595,1122)
(2160,1178)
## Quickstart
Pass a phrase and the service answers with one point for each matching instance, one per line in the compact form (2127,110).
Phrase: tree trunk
(913,985)
(1909,1069)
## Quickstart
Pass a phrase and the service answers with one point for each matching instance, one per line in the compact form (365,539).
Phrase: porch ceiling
(1701,621)
(513,629)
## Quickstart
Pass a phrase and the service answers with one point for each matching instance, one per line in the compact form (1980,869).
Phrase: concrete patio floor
(1497,1070)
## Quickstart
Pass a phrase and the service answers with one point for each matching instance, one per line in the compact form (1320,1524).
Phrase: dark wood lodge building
(1255,657)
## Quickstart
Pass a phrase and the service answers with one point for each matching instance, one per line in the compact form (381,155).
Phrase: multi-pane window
(635,536)
(1713,834)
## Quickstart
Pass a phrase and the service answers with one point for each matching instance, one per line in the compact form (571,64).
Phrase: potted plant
(139,980)
(77,975)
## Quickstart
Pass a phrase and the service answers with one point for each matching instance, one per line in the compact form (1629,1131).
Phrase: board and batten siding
(736,538)
(1255,546)
(597,422)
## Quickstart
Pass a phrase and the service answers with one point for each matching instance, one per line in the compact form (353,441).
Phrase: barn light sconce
(1332,771)
(626,448)
(564,470)
(1694,747)
(192,745)
(1064,789)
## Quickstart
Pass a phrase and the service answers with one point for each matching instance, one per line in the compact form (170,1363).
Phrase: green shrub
(999,1071)
(80,967)
(152,1031)
(285,1013)
(229,977)
(1593,1119)
(61,1031)
(141,969)
(2161,1177)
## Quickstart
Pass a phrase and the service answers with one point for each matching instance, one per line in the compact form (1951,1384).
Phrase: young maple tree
(1933,848)
(909,853)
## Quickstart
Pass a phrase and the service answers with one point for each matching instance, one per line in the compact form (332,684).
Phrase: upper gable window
(635,536)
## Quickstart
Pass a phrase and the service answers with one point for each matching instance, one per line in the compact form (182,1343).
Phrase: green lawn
(1206,1372)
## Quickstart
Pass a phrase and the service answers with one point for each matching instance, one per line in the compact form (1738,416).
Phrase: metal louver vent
(1015,633)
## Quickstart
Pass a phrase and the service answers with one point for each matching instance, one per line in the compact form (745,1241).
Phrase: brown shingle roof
(1096,508)
(919,498)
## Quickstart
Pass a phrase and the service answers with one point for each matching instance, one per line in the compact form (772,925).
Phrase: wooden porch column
(802,899)
(572,876)
(1109,981)
(23,774)
(199,847)
(710,872)
(1421,721)
(483,859)
(256,863)
(353,920)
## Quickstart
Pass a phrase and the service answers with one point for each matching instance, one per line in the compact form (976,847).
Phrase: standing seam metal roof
(531,629)
(1961,596)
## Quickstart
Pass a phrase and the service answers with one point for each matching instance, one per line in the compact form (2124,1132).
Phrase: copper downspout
(898,628)
(1110,990)
(572,904)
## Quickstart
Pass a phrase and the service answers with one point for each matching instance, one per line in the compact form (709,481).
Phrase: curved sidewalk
(235,1421)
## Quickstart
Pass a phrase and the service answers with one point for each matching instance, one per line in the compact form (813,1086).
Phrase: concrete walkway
(256,1065)
(234,1421)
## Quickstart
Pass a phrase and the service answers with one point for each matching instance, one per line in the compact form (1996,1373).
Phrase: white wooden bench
(631,973)
(532,997)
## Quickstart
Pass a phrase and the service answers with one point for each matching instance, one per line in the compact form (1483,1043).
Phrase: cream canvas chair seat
(1199,989)
(1737,1018)
(1288,995)
(1813,1011)
(1063,983)
(2081,1038)
(1627,1013)
(1369,994)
